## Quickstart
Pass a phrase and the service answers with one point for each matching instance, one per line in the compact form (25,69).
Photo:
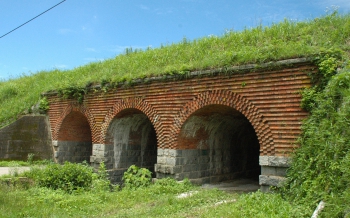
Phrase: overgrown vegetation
(163,198)
(283,40)
(321,166)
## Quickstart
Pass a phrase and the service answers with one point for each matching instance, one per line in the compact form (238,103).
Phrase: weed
(136,177)
(30,158)
(44,104)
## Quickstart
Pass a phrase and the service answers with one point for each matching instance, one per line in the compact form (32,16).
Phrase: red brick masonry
(269,97)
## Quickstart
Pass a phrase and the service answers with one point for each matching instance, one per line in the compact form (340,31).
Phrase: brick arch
(228,98)
(79,108)
(129,103)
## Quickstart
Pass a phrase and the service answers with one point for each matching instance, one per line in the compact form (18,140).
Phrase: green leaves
(68,177)
(136,177)
(44,104)
(321,166)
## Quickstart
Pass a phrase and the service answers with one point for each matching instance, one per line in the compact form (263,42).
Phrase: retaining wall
(29,134)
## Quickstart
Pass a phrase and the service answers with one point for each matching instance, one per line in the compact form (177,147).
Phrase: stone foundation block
(271,180)
(274,161)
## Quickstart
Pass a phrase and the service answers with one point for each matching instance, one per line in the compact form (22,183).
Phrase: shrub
(68,177)
(136,177)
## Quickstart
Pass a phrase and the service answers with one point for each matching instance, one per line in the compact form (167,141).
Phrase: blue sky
(77,32)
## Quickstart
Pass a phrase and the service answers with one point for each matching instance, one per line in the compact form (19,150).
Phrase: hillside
(257,45)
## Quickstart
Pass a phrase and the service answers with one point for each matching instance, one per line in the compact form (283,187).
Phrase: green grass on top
(283,40)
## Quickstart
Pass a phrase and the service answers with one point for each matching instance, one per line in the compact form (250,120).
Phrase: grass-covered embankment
(256,45)
(320,168)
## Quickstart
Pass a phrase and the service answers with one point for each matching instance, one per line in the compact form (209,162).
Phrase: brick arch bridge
(210,126)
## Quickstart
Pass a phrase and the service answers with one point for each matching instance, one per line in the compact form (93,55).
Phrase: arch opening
(74,141)
(134,141)
(227,143)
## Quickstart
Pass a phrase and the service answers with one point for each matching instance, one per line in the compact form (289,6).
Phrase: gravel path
(9,170)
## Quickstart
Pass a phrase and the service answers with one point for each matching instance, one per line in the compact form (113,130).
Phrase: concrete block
(190,168)
(166,169)
(191,160)
(166,152)
(177,169)
(179,177)
(204,166)
(190,153)
(279,161)
(204,173)
(281,171)
(179,161)
(172,153)
(203,159)
(271,180)
(171,161)
(268,170)
(161,160)
(264,160)
(92,159)
(96,146)
(275,161)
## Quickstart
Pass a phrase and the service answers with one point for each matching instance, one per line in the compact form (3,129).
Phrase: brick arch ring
(231,99)
(79,108)
(129,103)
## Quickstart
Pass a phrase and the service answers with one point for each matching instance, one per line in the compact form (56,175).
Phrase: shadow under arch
(73,137)
(217,136)
(232,100)
(129,103)
(129,137)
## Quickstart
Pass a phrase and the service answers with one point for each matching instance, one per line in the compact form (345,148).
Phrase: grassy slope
(261,44)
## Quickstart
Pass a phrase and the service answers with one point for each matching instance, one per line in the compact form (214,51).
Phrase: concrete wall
(29,134)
